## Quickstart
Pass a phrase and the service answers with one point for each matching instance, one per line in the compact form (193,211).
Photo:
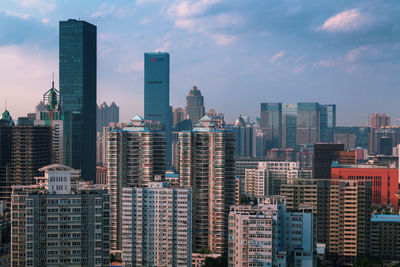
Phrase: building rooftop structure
(385,218)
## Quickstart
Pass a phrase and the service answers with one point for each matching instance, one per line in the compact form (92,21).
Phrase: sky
(238,53)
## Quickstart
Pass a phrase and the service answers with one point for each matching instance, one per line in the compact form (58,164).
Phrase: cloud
(135,66)
(45,20)
(17,15)
(354,54)
(345,21)
(277,56)
(103,11)
(43,6)
(224,39)
(298,69)
(186,9)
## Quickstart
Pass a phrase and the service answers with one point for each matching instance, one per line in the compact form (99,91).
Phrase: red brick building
(385,180)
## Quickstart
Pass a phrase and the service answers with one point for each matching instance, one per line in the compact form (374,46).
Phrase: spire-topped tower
(51,98)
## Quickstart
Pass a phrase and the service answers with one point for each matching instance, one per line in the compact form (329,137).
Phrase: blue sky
(239,53)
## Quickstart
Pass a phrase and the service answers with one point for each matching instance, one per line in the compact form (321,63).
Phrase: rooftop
(385,218)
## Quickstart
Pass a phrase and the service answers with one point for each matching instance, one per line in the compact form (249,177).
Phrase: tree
(221,261)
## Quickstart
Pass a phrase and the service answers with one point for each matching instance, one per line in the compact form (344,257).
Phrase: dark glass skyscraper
(78,63)
(271,124)
(308,123)
(156,95)
(289,120)
(327,116)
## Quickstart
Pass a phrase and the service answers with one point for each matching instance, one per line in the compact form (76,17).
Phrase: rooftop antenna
(53,81)
(6,104)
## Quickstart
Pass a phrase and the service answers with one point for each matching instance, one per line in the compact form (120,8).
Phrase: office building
(244,138)
(105,115)
(352,137)
(308,123)
(195,105)
(135,157)
(289,120)
(57,222)
(157,226)
(207,165)
(268,235)
(327,123)
(385,183)
(101,175)
(77,63)
(6,125)
(271,123)
(385,242)
(156,95)
(325,154)
(391,136)
(178,115)
(377,120)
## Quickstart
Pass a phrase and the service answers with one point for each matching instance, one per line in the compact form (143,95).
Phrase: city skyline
(350,47)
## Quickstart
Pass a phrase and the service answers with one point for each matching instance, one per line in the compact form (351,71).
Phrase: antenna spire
(53,81)
(6,104)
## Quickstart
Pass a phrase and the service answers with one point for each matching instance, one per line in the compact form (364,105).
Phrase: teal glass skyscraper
(156,95)
(77,63)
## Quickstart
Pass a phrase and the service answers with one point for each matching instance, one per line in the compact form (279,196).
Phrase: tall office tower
(105,115)
(244,138)
(376,120)
(260,143)
(77,65)
(178,115)
(349,220)
(327,123)
(325,154)
(30,150)
(195,105)
(56,222)
(53,117)
(135,157)
(271,123)
(157,226)
(308,123)
(385,231)
(156,95)
(6,124)
(391,132)
(268,235)
(289,120)
(207,165)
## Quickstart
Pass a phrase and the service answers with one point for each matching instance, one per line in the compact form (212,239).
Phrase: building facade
(105,115)
(135,157)
(244,138)
(271,123)
(385,230)
(55,223)
(195,105)
(207,165)
(78,79)
(157,226)
(269,235)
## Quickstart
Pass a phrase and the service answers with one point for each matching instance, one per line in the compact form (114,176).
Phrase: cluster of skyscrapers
(182,187)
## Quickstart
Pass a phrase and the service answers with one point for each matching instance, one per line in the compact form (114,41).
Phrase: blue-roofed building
(385,232)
